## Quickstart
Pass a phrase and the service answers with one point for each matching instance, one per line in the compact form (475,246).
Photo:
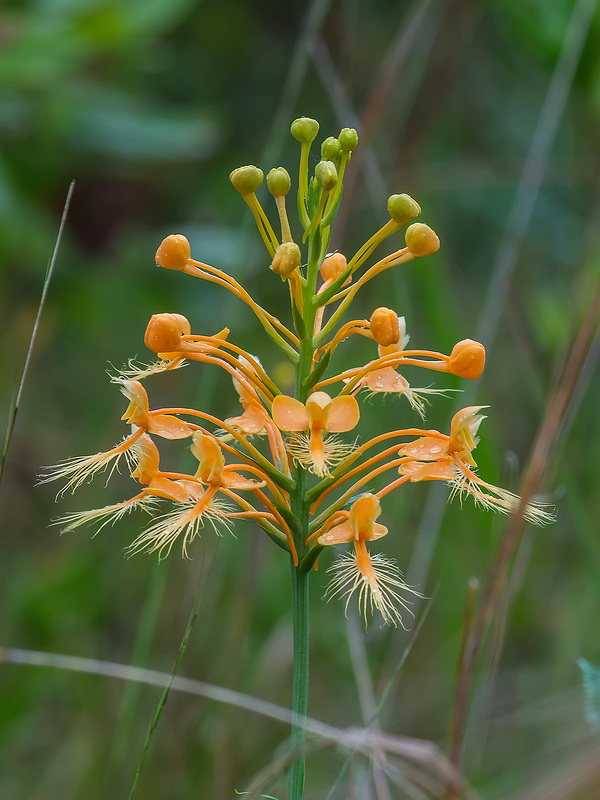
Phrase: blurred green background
(488,114)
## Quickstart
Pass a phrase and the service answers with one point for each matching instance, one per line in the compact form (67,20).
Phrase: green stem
(301,509)
(300,684)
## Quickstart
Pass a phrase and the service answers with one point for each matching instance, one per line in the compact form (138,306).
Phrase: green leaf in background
(591,685)
(120,126)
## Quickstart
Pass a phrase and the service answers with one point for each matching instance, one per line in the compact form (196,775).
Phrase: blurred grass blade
(590,677)
(15,407)
(534,168)
(161,703)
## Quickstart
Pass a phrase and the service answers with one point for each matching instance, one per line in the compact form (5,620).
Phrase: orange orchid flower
(138,413)
(255,416)
(189,517)
(375,578)
(321,414)
(450,459)
(389,331)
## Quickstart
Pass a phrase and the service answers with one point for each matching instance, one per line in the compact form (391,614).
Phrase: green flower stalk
(291,465)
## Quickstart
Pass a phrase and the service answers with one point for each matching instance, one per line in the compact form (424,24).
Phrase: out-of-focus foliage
(148,105)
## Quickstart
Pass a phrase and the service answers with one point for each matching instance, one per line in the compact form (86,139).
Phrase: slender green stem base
(300,687)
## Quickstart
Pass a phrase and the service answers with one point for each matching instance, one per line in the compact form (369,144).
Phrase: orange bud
(174,252)
(467,359)
(384,326)
(421,240)
(164,332)
(333,266)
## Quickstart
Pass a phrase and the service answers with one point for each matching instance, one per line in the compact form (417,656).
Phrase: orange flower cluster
(284,461)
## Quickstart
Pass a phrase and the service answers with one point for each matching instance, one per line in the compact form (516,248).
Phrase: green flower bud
(403,209)
(421,240)
(348,139)
(287,257)
(279,182)
(246,179)
(330,148)
(305,129)
(326,175)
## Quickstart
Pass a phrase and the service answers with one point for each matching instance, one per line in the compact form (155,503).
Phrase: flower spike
(282,463)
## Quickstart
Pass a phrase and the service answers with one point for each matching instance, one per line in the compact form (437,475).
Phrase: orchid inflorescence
(284,462)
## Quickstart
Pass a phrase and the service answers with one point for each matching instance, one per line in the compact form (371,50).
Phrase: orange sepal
(171,490)
(427,448)
(341,534)
(289,414)
(251,421)
(386,380)
(344,414)
(436,471)
(168,427)
(233,480)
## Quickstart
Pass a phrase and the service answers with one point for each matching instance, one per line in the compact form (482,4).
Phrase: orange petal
(148,459)
(378,531)
(208,453)
(333,266)
(344,414)
(318,406)
(463,428)
(289,414)
(174,252)
(384,326)
(137,411)
(363,514)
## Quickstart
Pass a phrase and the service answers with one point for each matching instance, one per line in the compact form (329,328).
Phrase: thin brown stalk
(549,430)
